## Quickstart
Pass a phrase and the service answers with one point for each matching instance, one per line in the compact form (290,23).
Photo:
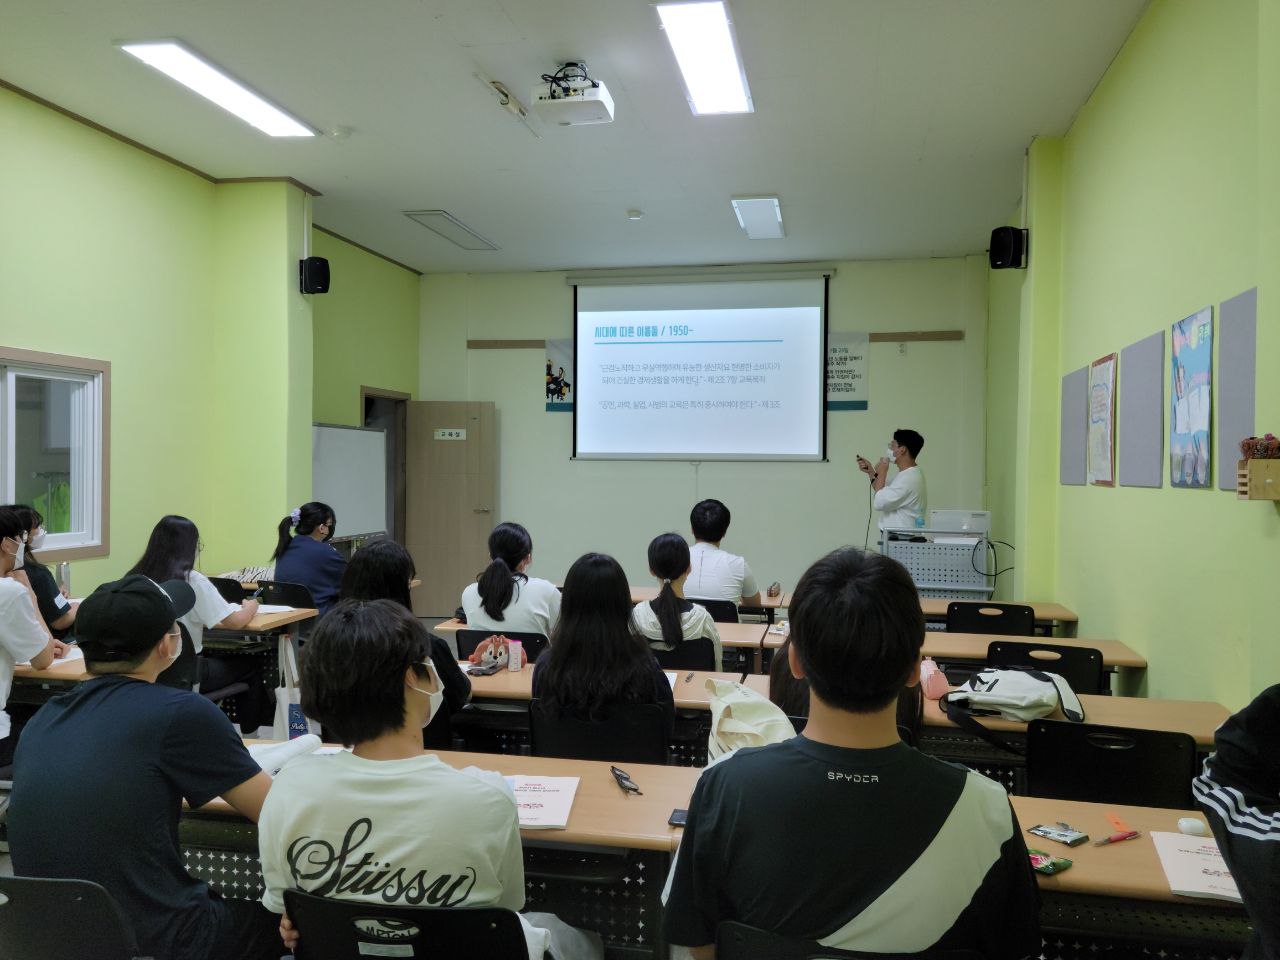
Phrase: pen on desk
(1116,838)
(688,677)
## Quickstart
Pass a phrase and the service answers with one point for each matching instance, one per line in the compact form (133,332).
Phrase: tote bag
(290,722)
(740,717)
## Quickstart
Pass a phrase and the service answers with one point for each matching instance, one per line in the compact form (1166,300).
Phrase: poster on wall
(1102,422)
(847,371)
(559,396)
(1190,399)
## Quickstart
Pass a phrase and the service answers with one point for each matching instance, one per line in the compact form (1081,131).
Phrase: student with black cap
(118,755)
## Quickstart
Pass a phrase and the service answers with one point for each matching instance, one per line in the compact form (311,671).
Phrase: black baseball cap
(124,619)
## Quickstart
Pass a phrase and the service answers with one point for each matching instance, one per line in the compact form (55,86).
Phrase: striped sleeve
(1239,792)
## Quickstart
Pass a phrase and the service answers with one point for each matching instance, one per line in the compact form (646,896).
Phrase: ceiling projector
(570,98)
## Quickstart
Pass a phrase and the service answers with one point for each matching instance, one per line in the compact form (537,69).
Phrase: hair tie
(666,581)
(296,515)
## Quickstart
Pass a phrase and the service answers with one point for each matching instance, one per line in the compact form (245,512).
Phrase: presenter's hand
(865,466)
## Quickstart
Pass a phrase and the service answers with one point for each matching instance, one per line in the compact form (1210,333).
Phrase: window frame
(97,373)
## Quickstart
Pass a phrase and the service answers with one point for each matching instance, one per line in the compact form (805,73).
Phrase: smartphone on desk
(678,818)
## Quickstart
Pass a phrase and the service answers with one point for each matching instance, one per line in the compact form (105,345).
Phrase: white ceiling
(889,128)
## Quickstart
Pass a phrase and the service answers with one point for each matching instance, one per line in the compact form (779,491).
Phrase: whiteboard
(349,473)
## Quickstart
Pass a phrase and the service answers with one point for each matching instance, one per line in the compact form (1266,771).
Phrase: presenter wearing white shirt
(901,501)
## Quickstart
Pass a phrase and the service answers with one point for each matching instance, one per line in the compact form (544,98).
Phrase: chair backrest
(183,673)
(1085,761)
(62,920)
(1006,619)
(722,611)
(737,941)
(468,640)
(696,654)
(342,929)
(286,594)
(631,733)
(1081,667)
(232,591)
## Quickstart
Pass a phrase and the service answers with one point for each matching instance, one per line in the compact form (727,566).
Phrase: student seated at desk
(58,612)
(1239,792)
(439,837)
(307,557)
(101,773)
(597,660)
(383,570)
(886,850)
(504,597)
(716,574)
(171,555)
(792,696)
(23,635)
(670,619)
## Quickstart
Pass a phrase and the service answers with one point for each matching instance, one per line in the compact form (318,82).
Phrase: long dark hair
(33,519)
(310,516)
(171,551)
(596,659)
(380,570)
(668,559)
(508,545)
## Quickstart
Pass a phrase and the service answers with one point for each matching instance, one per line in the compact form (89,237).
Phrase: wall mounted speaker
(1008,249)
(313,275)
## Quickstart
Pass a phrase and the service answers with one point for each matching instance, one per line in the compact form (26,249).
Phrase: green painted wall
(1150,208)
(785,515)
(1004,310)
(188,289)
(366,330)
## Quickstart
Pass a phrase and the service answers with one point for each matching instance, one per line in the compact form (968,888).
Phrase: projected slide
(729,383)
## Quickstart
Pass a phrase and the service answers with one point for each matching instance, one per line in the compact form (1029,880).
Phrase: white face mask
(888,454)
(37,542)
(433,699)
(177,649)
(18,553)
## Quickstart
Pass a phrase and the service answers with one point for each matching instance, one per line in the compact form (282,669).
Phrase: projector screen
(730,370)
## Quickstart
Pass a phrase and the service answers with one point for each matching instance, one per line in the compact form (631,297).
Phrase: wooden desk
(942,645)
(65,671)
(517,686)
(1048,614)
(641,594)
(746,636)
(1200,718)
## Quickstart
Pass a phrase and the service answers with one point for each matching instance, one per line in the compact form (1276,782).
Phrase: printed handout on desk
(544,802)
(671,678)
(274,608)
(1194,867)
(73,655)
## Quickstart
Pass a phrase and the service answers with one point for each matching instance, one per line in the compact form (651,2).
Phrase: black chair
(1006,619)
(468,640)
(184,673)
(1081,667)
(62,920)
(232,591)
(696,654)
(340,929)
(633,733)
(737,941)
(285,594)
(1085,761)
(722,611)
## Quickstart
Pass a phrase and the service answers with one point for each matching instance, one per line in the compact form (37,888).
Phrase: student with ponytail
(306,556)
(670,619)
(504,597)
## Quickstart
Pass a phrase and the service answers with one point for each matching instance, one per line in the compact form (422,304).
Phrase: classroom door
(450,505)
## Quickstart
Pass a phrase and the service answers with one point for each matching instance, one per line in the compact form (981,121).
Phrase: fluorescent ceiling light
(175,60)
(761,217)
(451,228)
(701,36)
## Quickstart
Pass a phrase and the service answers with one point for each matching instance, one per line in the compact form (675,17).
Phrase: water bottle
(515,655)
